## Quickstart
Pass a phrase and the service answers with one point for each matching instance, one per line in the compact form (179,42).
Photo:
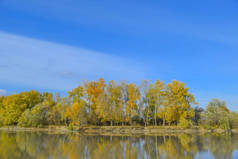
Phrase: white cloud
(42,64)
(3,92)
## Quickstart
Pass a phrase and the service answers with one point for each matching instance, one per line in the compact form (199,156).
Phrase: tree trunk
(146,120)
(155,119)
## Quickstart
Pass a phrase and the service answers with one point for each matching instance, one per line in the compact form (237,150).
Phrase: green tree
(35,117)
(216,115)
(234,120)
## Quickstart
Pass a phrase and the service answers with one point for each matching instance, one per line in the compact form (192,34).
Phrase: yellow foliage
(76,113)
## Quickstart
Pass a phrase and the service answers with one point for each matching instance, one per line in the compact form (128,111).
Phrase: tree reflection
(22,145)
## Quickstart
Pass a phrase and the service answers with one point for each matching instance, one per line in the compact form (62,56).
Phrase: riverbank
(118,130)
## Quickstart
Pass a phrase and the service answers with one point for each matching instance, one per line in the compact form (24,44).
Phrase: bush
(71,126)
(184,123)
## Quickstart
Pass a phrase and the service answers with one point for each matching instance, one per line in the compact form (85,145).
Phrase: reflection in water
(29,145)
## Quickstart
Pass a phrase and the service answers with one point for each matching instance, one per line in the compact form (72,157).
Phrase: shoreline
(117,130)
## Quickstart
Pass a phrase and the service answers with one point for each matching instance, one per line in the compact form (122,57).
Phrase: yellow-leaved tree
(177,103)
(155,96)
(77,113)
(113,109)
(132,103)
(95,91)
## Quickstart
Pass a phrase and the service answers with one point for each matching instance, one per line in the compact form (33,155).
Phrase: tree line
(116,104)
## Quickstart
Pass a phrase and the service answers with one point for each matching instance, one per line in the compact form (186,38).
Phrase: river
(50,145)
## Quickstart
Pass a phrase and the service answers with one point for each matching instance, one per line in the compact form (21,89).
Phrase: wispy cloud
(54,66)
(139,18)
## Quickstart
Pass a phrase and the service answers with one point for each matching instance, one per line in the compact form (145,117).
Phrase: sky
(55,45)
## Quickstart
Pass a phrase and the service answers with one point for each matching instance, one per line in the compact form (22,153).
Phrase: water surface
(42,145)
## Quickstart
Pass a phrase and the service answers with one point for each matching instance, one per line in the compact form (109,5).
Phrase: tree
(155,96)
(197,115)
(1,110)
(35,117)
(144,103)
(48,100)
(14,105)
(125,99)
(234,120)
(76,94)
(178,103)
(77,113)
(113,109)
(216,115)
(132,103)
(56,112)
(95,92)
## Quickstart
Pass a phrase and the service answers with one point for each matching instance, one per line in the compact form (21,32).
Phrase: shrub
(184,123)
(71,126)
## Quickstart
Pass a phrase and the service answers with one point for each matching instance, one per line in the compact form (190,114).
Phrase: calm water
(36,145)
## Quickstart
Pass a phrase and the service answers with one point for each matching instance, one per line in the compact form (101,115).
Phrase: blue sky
(54,45)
